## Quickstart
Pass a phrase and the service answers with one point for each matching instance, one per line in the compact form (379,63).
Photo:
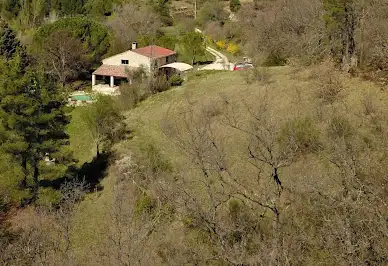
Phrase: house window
(124,62)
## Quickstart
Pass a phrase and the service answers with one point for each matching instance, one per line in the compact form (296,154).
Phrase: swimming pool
(82,97)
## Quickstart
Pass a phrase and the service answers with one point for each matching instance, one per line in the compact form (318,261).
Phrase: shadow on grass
(90,172)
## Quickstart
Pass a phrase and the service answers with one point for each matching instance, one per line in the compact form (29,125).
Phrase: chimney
(134,45)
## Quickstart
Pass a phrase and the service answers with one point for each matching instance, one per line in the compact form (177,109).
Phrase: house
(118,67)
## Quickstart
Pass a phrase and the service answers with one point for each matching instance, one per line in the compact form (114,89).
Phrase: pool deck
(79,102)
(106,89)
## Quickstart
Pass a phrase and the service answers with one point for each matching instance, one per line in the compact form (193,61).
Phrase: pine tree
(13,100)
(10,8)
(46,132)
(9,44)
(32,115)
(341,23)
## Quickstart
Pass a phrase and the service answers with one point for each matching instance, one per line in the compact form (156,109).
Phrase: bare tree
(63,56)
(284,30)
(195,134)
(133,21)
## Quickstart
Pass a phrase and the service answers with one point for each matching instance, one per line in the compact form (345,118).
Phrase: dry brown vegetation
(266,173)
(350,32)
(271,166)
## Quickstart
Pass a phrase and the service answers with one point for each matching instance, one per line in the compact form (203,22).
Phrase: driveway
(221,62)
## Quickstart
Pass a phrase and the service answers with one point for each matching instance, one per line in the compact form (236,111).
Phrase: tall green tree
(13,63)
(32,116)
(67,7)
(9,44)
(105,123)
(94,36)
(32,13)
(162,8)
(9,8)
(98,8)
(211,11)
(193,44)
(341,20)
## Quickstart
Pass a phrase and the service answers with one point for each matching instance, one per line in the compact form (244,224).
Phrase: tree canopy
(193,44)
(94,36)
(31,116)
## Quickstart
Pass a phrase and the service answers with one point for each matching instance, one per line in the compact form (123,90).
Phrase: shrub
(159,84)
(260,74)
(155,159)
(144,204)
(221,44)
(187,222)
(4,204)
(235,207)
(329,85)
(176,80)
(233,48)
(330,89)
(340,128)
(369,104)
(234,5)
(48,196)
(302,134)
(128,96)
(275,60)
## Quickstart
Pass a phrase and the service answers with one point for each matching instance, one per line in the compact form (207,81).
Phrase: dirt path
(221,62)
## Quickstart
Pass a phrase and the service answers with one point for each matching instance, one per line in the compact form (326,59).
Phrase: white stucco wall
(137,60)
(134,59)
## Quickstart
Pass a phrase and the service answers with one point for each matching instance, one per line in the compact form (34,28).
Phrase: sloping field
(283,95)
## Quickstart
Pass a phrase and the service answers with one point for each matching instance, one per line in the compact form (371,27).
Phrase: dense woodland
(282,164)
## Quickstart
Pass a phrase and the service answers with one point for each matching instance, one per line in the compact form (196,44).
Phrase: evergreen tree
(162,8)
(10,8)
(8,41)
(13,64)
(13,101)
(32,116)
(99,7)
(94,36)
(341,22)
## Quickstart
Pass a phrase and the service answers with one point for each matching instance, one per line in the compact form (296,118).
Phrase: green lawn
(81,141)
(182,55)
(82,146)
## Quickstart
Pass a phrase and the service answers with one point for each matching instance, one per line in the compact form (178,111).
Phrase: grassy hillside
(81,141)
(156,174)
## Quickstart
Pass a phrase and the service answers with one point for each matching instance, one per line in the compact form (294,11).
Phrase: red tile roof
(154,51)
(110,70)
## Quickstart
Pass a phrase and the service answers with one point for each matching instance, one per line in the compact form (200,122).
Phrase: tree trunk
(98,150)
(276,239)
(36,179)
(23,183)
(349,59)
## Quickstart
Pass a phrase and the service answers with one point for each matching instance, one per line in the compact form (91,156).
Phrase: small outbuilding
(174,68)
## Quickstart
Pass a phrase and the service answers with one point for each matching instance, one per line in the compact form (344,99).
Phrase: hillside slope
(189,188)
